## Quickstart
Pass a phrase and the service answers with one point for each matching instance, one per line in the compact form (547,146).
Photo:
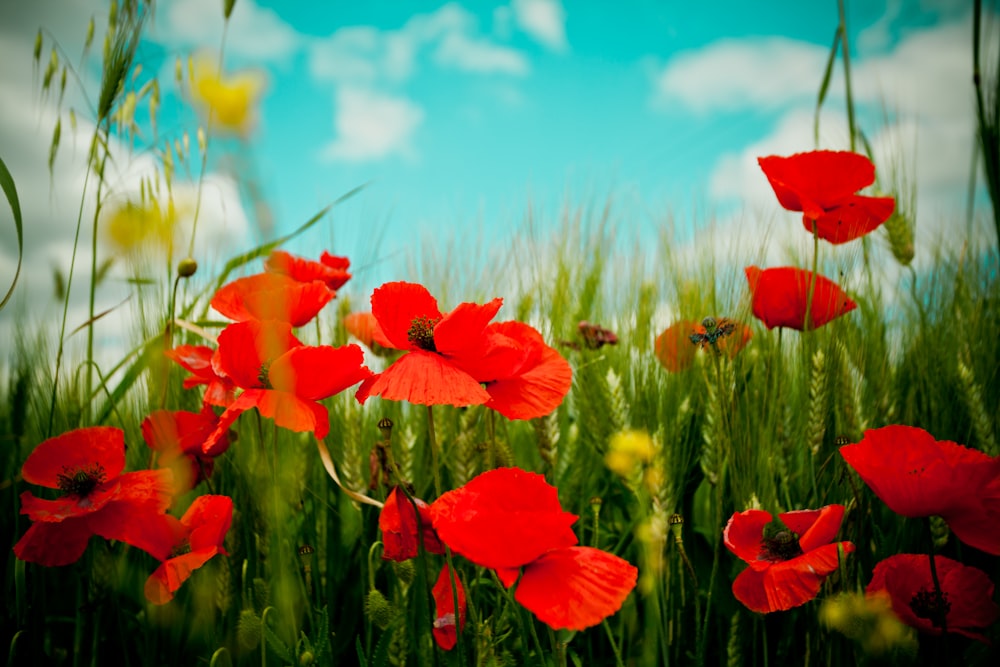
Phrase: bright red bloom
(281,377)
(195,539)
(780,296)
(197,359)
(98,499)
(677,345)
(444,630)
(177,436)
(787,565)
(821,184)
(917,476)
(964,605)
(573,588)
(442,349)
(272,296)
(398,523)
(503,518)
(531,379)
(330,269)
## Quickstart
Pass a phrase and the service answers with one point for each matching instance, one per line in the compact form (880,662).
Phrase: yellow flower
(627,450)
(133,226)
(228,103)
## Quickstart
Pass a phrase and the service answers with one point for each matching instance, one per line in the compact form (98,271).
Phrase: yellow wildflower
(627,450)
(228,103)
(133,226)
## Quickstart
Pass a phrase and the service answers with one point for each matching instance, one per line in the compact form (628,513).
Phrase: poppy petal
(291,412)
(816,180)
(80,449)
(208,519)
(851,220)
(245,348)
(463,329)
(444,595)
(396,305)
(780,296)
(743,533)
(168,577)
(315,373)
(332,270)
(814,527)
(139,525)
(575,587)
(271,296)
(70,506)
(398,523)
(673,347)
(424,378)
(503,518)
(538,385)
(53,545)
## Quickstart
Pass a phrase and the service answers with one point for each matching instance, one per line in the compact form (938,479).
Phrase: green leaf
(10,191)
(362,661)
(827,74)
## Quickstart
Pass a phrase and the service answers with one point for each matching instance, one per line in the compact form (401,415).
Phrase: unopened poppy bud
(378,609)
(187,267)
(405,571)
(249,629)
(306,658)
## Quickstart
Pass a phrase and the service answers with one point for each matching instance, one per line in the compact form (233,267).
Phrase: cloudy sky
(463,116)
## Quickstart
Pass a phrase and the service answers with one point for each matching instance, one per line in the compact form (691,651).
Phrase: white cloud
(479,55)
(255,33)
(372,125)
(544,20)
(733,74)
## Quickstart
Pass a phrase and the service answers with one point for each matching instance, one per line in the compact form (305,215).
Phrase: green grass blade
(7,183)
(825,85)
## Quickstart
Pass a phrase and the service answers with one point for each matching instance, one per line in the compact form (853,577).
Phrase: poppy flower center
(81,481)
(931,605)
(713,331)
(180,549)
(421,333)
(263,376)
(782,545)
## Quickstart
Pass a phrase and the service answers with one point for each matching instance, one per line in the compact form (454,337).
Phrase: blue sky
(463,116)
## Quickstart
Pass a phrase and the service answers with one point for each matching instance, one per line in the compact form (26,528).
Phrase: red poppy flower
(595,336)
(330,269)
(272,296)
(573,588)
(197,359)
(398,523)
(281,377)
(780,297)
(917,476)
(196,538)
(673,346)
(964,605)
(444,630)
(524,377)
(503,518)
(177,436)
(822,185)
(787,565)
(441,348)
(98,499)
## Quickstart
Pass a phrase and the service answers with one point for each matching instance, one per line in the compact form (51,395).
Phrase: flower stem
(435,456)
(846,52)
(807,325)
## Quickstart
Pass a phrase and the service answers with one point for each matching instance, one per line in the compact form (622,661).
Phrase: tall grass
(760,429)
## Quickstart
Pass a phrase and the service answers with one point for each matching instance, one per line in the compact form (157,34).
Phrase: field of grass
(656,446)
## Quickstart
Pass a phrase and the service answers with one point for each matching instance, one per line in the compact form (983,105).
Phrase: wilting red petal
(54,544)
(396,305)
(917,476)
(968,593)
(673,347)
(271,296)
(538,385)
(575,587)
(444,609)
(248,399)
(814,528)
(315,373)
(503,518)
(79,449)
(817,180)
(425,378)
(743,533)
(398,523)
(245,348)
(780,296)
(331,270)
